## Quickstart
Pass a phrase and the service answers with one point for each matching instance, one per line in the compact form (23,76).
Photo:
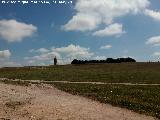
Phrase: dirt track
(44,102)
(97,83)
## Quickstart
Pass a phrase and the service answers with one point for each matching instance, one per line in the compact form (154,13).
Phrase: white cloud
(31,61)
(91,13)
(82,22)
(43,56)
(4,59)
(5,54)
(100,58)
(155,41)
(64,54)
(111,30)
(74,51)
(9,64)
(14,31)
(156,53)
(106,47)
(153,14)
(40,50)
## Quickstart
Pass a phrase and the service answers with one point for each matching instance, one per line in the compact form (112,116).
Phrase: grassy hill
(115,73)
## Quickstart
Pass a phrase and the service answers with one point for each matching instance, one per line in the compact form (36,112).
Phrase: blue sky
(32,34)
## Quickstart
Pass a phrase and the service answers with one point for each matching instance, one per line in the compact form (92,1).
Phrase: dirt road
(70,82)
(44,102)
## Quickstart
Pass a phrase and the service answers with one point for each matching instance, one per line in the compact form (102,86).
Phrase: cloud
(111,30)
(155,41)
(156,54)
(153,14)
(43,56)
(14,31)
(64,54)
(5,54)
(99,58)
(74,51)
(92,13)
(9,64)
(31,61)
(82,22)
(4,59)
(41,50)
(106,47)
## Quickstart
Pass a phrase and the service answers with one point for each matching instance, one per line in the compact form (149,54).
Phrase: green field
(114,73)
(143,99)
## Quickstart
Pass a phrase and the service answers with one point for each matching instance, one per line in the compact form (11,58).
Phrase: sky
(33,34)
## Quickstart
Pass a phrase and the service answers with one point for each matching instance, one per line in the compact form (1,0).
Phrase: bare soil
(45,102)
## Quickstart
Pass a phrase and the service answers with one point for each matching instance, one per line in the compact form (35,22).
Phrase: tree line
(108,60)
